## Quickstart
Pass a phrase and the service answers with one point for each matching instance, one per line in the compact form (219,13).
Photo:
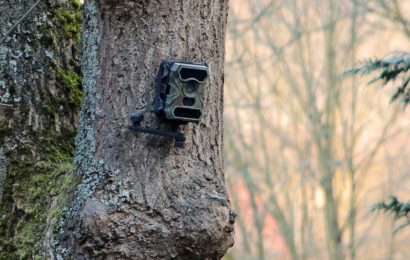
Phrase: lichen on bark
(3,169)
(39,96)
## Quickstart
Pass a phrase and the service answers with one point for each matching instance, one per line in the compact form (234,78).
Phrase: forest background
(309,151)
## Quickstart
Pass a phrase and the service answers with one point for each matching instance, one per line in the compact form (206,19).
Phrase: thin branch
(19,21)
(6,105)
(401,227)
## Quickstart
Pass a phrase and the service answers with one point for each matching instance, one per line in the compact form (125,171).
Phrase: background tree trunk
(40,95)
(138,196)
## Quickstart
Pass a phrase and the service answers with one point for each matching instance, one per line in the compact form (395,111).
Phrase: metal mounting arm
(137,118)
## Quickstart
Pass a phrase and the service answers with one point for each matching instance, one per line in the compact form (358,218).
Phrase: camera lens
(190,87)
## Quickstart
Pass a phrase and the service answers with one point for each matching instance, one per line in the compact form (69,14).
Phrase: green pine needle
(396,66)
(393,206)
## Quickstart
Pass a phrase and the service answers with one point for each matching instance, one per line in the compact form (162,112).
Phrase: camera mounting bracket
(137,118)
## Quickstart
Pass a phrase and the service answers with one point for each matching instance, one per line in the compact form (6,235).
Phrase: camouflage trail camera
(179,91)
(178,97)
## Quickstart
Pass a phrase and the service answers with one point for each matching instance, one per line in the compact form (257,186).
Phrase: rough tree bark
(138,196)
(40,95)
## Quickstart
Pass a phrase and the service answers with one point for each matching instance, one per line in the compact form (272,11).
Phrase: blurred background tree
(308,151)
(391,69)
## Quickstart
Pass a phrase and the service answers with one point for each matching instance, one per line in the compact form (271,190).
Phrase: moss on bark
(41,83)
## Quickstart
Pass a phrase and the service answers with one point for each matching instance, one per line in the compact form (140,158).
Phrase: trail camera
(179,91)
(178,97)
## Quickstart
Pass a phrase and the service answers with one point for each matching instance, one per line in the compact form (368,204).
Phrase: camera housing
(178,98)
(179,91)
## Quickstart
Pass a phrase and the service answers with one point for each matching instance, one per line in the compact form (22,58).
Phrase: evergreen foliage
(392,68)
(395,207)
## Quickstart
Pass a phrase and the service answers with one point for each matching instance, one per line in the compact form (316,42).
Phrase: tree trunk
(40,96)
(138,196)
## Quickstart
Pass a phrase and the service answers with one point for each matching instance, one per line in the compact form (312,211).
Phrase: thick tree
(137,195)
(40,95)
